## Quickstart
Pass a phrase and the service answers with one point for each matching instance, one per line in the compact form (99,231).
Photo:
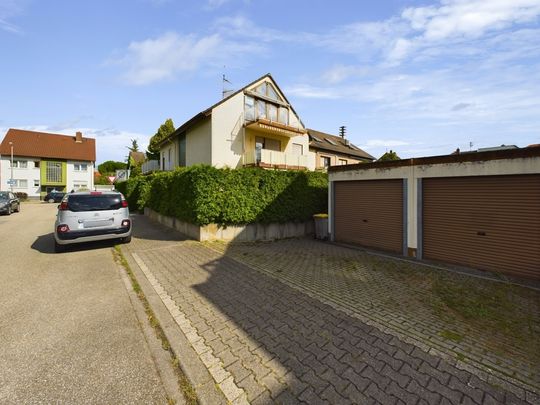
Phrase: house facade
(43,162)
(478,210)
(331,150)
(254,126)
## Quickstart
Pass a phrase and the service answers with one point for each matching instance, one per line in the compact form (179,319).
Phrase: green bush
(203,195)
(132,190)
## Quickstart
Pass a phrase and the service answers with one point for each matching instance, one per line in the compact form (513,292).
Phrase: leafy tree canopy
(391,155)
(110,167)
(163,131)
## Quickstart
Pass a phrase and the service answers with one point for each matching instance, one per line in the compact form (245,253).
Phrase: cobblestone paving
(399,295)
(265,342)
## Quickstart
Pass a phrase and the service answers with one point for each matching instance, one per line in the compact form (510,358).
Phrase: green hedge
(132,190)
(203,195)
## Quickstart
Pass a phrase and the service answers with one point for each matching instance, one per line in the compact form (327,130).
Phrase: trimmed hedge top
(203,194)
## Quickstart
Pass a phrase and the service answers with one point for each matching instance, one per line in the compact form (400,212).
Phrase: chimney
(78,137)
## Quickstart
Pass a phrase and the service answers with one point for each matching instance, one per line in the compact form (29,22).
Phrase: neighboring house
(135,159)
(254,126)
(43,162)
(477,210)
(331,150)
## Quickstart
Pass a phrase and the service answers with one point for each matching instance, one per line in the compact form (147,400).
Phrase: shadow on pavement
(45,244)
(143,228)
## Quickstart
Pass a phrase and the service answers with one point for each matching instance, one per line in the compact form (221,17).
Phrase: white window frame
(36,183)
(19,183)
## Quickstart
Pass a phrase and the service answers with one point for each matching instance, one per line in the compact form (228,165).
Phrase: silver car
(91,216)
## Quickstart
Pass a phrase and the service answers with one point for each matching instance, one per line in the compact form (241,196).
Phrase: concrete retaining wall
(245,233)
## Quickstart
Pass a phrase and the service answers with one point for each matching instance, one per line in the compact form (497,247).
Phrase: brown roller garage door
(488,222)
(369,213)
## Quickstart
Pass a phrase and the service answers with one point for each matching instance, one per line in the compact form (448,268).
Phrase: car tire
(8,211)
(59,248)
(50,200)
(18,208)
(127,239)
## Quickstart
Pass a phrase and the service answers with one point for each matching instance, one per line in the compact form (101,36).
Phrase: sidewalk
(263,341)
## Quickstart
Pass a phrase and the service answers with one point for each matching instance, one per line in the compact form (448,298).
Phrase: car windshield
(4,195)
(103,202)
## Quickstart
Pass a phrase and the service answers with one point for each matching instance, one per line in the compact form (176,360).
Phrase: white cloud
(171,54)
(469,18)
(388,143)
(8,10)
(339,73)
(213,4)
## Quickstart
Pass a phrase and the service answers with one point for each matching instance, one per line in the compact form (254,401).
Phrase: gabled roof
(45,145)
(138,157)
(208,112)
(335,144)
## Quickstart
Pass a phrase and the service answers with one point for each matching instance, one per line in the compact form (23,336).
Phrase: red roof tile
(45,145)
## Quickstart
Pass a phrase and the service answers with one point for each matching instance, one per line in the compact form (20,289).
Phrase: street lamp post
(11,182)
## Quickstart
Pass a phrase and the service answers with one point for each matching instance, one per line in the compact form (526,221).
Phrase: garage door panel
(370,213)
(489,222)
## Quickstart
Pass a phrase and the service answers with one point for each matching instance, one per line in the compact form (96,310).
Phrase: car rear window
(102,202)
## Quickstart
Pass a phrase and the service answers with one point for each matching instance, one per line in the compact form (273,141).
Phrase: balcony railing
(150,166)
(279,160)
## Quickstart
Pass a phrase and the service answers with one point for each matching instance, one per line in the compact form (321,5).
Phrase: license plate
(96,224)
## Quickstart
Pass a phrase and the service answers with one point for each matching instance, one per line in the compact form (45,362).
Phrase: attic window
(331,142)
(315,138)
(267,90)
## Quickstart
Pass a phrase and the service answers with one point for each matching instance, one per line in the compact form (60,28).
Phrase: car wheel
(50,200)
(8,212)
(59,248)
(127,239)
(18,208)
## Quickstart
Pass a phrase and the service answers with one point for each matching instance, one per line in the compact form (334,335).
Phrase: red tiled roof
(45,145)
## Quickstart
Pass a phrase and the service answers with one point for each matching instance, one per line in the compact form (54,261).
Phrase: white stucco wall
(83,178)
(30,174)
(198,141)
(227,132)
(413,173)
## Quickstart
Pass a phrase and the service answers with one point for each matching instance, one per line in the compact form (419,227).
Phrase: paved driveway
(264,341)
(68,331)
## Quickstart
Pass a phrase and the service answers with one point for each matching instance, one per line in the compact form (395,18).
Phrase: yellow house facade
(254,126)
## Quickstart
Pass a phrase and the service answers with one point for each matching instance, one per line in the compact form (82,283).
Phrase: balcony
(274,128)
(150,166)
(279,160)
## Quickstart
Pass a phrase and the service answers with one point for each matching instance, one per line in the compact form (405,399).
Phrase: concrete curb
(192,366)
(162,358)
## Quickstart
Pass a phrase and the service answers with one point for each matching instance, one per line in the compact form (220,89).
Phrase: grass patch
(451,335)
(189,393)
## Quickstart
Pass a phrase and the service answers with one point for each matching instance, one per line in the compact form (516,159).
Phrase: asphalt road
(68,330)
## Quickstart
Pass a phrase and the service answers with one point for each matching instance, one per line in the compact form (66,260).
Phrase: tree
(110,167)
(163,132)
(134,146)
(391,155)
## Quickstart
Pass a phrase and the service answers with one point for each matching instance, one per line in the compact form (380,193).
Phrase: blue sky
(418,77)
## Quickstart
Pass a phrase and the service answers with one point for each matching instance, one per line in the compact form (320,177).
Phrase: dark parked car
(9,203)
(54,196)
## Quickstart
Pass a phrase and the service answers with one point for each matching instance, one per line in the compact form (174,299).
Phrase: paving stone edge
(192,366)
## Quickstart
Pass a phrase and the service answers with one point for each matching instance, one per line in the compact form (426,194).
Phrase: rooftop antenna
(342,130)
(470,145)
(225,91)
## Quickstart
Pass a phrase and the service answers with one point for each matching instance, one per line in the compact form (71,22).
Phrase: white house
(254,126)
(43,162)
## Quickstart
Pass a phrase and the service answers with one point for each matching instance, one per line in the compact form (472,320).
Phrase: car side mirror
(58,206)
